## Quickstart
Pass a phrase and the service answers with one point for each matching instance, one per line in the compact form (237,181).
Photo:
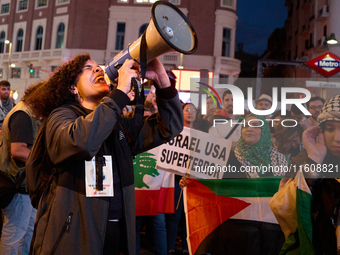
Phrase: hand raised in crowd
(130,69)
(316,150)
(183,182)
(155,71)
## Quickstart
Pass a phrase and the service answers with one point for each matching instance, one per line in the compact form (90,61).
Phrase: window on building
(1,73)
(16,72)
(63,1)
(123,1)
(23,4)
(36,73)
(39,38)
(20,38)
(223,79)
(53,68)
(325,31)
(4,8)
(42,3)
(290,10)
(142,29)
(226,42)
(289,55)
(310,40)
(2,41)
(306,44)
(228,3)
(60,36)
(175,1)
(120,36)
(145,1)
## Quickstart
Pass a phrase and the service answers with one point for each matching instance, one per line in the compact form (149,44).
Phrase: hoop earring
(79,98)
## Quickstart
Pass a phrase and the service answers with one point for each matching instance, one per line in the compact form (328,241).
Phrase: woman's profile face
(91,82)
(295,141)
(251,133)
(211,107)
(277,121)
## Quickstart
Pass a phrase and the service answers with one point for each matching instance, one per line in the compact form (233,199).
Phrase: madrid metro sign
(327,64)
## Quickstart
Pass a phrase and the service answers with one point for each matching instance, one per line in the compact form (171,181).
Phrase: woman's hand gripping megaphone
(130,69)
(128,79)
(129,75)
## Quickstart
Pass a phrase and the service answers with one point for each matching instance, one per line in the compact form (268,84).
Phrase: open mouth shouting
(100,79)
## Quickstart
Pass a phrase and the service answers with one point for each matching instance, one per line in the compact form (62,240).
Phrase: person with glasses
(189,114)
(314,106)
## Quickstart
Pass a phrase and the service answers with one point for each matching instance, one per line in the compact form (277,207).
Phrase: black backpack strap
(233,129)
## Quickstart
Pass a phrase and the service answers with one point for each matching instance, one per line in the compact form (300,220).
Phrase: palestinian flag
(154,189)
(292,208)
(232,216)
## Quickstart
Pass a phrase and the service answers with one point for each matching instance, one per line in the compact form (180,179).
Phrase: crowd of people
(86,122)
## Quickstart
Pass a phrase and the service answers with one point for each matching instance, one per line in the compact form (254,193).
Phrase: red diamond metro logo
(327,64)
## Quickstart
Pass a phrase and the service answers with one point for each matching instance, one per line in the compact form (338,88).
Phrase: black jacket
(326,201)
(71,223)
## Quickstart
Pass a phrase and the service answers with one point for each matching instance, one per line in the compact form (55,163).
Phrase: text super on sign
(327,64)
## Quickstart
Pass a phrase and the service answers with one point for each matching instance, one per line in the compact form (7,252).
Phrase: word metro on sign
(327,64)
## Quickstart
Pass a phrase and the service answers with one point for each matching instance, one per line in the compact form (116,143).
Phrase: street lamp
(331,39)
(9,57)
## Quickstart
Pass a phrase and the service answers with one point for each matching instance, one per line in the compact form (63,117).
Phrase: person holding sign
(90,145)
(253,151)
(174,219)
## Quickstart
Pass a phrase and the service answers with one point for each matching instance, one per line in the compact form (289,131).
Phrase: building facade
(308,26)
(46,33)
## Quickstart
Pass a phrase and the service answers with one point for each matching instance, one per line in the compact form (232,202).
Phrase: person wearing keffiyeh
(255,148)
(322,148)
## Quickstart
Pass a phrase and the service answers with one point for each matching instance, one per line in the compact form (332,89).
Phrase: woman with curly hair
(87,139)
(58,89)
(288,139)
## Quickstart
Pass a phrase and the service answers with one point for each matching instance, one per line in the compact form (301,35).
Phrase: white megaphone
(168,31)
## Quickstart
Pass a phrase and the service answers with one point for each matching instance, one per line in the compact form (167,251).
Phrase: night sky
(257,19)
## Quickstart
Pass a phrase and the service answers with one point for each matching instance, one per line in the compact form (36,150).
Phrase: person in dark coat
(84,122)
(322,150)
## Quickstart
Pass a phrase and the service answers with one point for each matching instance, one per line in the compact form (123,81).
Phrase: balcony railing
(228,63)
(32,55)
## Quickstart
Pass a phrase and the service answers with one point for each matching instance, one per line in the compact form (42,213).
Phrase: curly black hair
(57,90)
(285,134)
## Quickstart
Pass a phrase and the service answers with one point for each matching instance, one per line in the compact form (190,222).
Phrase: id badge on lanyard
(98,177)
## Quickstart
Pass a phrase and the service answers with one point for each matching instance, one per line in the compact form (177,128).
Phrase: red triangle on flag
(206,211)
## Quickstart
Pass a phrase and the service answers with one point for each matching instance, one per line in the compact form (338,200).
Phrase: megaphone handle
(134,87)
